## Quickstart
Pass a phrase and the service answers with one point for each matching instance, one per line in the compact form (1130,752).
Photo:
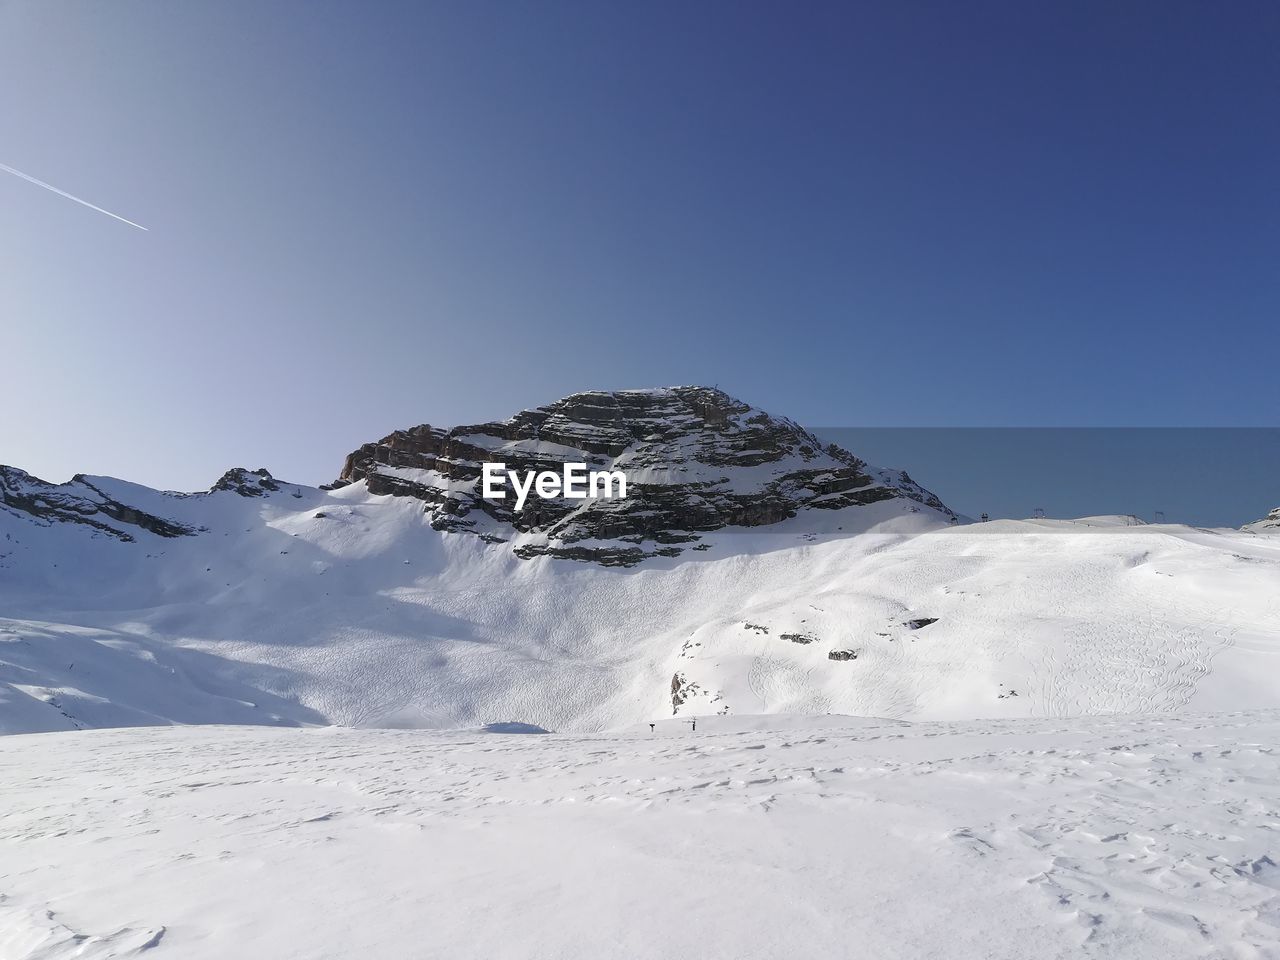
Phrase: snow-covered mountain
(1270,522)
(696,460)
(262,601)
(82,501)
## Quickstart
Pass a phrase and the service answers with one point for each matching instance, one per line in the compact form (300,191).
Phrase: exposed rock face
(696,460)
(84,501)
(801,638)
(81,502)
(247,483)
(1269,523)
(919,622)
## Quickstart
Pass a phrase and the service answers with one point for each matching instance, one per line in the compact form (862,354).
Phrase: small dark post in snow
(651,728)
(693,724)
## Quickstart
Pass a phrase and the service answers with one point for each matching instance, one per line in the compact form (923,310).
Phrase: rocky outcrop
(696,460)
(1268,524)
(96,503)
(801,638)
(80,502)
(247,483)
(919,622)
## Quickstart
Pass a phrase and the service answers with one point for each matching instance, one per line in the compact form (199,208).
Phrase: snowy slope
(1116,838)
(313,606)
(1268,524)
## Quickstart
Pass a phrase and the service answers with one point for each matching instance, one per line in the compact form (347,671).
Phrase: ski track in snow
(1116,837)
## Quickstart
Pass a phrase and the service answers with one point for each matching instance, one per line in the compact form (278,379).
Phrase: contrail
(63,193)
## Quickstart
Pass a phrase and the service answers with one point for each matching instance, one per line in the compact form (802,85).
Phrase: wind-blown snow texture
(266,602)
(1121,838)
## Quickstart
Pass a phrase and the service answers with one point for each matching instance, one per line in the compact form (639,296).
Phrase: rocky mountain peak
(696,460)
(247,483)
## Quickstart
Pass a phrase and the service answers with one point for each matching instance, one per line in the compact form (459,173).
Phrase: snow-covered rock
(1269,523)
(82,501)
(247,483)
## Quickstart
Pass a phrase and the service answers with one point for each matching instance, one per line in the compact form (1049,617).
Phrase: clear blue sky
(365,216)
(1205,476)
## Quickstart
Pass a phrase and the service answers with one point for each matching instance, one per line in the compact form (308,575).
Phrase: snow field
(1111,837)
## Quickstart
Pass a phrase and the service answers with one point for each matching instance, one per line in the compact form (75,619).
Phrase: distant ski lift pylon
(1159,516)
(1038,513)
